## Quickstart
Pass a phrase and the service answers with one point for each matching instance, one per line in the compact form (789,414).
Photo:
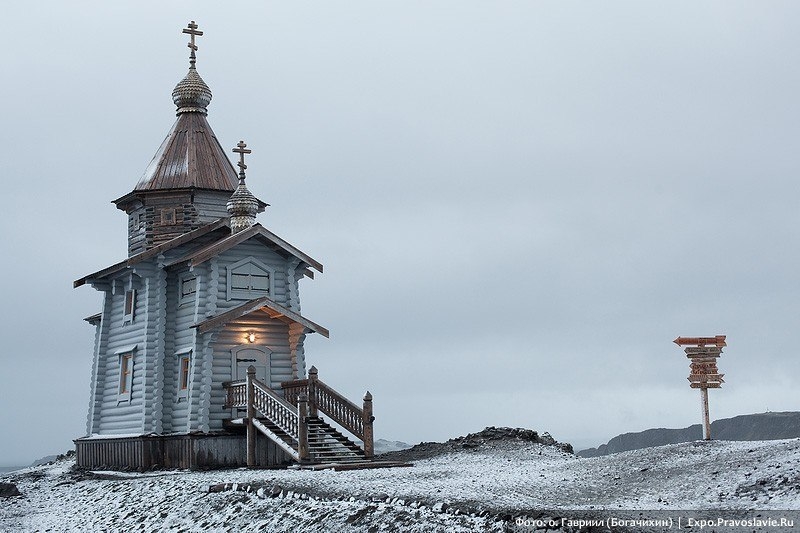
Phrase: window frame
(169,216)
(250,293)
(191,297)
(184,381)
(129,311)
(127,362)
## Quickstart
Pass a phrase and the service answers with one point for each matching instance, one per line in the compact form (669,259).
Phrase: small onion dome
(242,207)
(192,95)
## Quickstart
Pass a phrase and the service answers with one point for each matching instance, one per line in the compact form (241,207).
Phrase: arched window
(248,279)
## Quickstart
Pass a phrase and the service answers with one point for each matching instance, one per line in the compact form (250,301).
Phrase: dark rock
(8,490)
(490,436)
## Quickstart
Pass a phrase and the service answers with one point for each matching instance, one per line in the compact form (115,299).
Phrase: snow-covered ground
(485,488)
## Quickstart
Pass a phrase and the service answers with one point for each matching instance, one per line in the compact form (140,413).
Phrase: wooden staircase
(294,424)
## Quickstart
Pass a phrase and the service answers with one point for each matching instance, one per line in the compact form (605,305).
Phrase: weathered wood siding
(137,240)
(162,329)
(156,346)
(211,205)
(296,332)
(98,368)
(146,228)
(115,415)
(222,450)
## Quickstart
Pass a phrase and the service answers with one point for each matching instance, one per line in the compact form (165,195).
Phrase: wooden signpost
(703,352)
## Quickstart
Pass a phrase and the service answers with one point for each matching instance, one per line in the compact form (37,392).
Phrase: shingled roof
(190,157)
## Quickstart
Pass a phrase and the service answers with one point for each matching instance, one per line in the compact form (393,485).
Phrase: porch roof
(272,308)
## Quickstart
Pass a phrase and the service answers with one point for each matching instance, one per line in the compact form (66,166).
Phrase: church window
(130,306)
(188,288)
(249,279)
(125,376)
(168,216)
(184,372)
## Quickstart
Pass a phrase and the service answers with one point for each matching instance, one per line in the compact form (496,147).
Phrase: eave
(152,252)
(94,319)
(123,202)
(272,308)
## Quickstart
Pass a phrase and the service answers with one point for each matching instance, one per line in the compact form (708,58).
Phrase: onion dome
(242,207)
(192,95)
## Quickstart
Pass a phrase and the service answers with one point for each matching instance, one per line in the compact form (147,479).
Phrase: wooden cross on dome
(241,149)
(192,31)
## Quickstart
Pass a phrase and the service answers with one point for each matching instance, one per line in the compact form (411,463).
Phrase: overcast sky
(518,204)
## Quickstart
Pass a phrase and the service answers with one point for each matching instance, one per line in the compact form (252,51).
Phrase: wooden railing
(322,397)
(236,394)
(276,409)
(267,402)
(303,398)
(340,409)
(258,398)
(293,389)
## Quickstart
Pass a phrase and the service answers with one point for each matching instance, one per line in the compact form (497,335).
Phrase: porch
(293,422)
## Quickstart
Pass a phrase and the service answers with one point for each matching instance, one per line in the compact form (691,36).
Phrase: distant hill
(384,446)
(762,426)
(44,460)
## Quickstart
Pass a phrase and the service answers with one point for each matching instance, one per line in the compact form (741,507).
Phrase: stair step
(337,457)
(339,453)
(325,443)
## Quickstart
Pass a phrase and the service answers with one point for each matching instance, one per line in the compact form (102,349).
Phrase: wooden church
(198,353)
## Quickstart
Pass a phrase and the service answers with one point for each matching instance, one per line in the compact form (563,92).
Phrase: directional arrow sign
(704,359)
(703,378)
(703,368)
(713,351)
(719,340)
(705,385)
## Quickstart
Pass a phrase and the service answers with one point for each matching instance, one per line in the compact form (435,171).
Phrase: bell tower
(190,179)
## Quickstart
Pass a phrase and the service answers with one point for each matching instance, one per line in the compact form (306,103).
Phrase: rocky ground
(499,479)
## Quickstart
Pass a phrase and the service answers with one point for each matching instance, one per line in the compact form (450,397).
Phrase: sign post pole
(703,353)
(706,421)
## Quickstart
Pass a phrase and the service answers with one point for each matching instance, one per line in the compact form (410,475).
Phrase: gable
(257,235)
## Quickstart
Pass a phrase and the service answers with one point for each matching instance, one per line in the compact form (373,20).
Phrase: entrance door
(258,356)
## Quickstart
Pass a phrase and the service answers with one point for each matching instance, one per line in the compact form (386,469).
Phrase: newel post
(313,376)
(302,427)
(251,414)
(369,444)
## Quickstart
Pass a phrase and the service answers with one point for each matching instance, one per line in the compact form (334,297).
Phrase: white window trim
(121,354)
(128,318)
(239,295)
(184,353)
